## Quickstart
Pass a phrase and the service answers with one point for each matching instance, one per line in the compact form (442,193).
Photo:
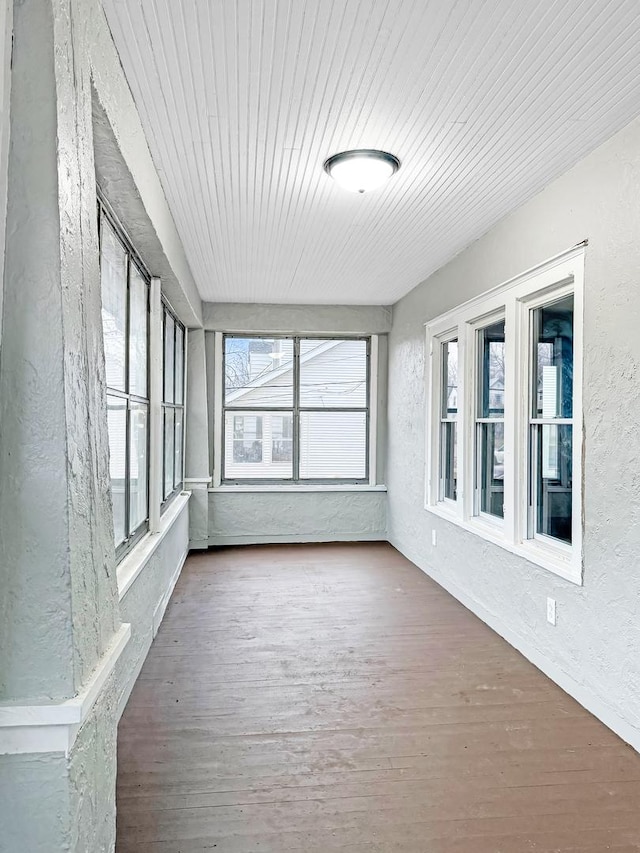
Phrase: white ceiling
(483,101)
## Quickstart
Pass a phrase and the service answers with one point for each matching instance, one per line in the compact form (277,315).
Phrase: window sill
(317,487)
(565,566)
(137,559)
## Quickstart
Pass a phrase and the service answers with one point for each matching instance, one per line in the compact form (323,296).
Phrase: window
(504,454)
(172,403)
(295,409)
(551,420)
(448,417)
(490,421)
(125,325)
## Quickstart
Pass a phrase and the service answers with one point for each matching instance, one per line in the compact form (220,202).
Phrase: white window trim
(218,385)
(472,381)
(514,299)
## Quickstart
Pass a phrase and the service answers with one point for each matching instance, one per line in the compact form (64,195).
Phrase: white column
(155,406)
(197,464)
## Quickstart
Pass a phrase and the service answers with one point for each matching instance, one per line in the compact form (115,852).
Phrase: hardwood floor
(333,698)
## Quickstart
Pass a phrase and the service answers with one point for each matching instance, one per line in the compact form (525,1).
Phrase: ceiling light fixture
(361,169)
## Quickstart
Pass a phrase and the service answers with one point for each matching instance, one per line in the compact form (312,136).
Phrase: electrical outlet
(551,611)
(434,538)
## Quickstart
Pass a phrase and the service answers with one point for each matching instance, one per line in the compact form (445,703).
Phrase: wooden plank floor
(333,698)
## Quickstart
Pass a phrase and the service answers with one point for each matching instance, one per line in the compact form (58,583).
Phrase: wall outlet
(551,611)
(434,538)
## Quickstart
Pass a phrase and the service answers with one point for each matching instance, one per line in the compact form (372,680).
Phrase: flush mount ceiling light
(362,169)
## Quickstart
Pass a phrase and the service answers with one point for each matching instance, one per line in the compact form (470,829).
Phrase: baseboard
(582,694)
(294,538)
(126,693)
(158,615)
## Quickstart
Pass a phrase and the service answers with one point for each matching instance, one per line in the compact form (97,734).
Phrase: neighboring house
(258,443)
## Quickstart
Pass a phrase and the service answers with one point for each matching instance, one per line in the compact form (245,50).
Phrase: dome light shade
(362,169)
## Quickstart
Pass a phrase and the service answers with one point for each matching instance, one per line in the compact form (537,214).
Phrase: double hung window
(295,409)
(490,420)
(504,443)
(551,421)
(125,323)
(448,421)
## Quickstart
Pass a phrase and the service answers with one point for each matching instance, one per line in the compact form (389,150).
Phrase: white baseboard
(295,538)
(580,692)
(126,693)
(159,612)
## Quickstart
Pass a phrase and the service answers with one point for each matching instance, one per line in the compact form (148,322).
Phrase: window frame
(295,410)
(475,444)
(515,301)
(132,537)
(167,310)
(443,411)
(529,523)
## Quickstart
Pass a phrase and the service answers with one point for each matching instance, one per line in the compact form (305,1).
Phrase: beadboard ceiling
(483,101)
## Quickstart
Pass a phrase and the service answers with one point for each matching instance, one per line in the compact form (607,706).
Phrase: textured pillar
(197,463)
(56,554)
(59,616)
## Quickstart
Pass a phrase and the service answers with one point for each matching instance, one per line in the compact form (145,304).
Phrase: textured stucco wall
(596,640)
(296,319)
(6,32)
(91,770)
(239,517)
(139,603)
(31,785)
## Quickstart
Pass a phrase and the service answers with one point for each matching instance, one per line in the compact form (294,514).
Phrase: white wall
(593,649)
(6,29)
(255,517)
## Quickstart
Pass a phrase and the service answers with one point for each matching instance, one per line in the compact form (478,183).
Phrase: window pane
(117,426)
(138,331)
(138,465)
(256,446)
(177,473)
(169,363)
(179,363)
(553,479)
(491,371)
(333,374)
(449,460)
(553,360)
(258,372)
(113,275)
(491,449)
(169,439)
(333,445)
(281,438)
(450,379)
